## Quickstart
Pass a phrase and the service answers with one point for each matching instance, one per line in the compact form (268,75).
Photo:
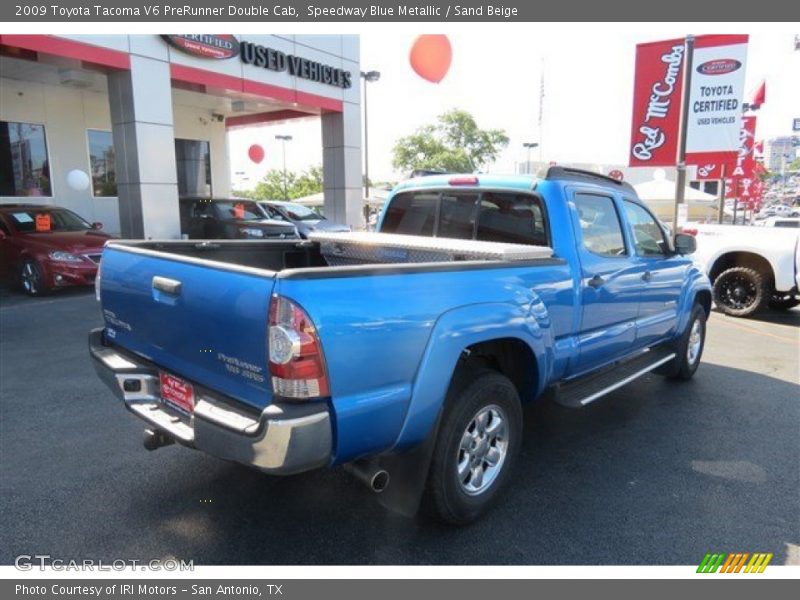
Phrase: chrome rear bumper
(282,439)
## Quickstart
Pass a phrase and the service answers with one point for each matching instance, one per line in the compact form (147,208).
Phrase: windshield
(298,212)
(238,210)
(47,220)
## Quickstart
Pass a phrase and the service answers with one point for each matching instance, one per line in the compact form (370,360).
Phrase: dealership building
(118,127)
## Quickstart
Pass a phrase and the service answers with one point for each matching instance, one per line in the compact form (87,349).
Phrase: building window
(24,168)
(193,159)
(102,163)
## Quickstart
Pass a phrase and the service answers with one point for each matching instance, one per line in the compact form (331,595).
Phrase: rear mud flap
(408,472)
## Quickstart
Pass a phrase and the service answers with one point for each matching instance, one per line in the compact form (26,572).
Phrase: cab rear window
(411,214)
(487,216)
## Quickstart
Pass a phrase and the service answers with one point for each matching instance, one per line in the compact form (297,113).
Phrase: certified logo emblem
(205,45)
(720,66)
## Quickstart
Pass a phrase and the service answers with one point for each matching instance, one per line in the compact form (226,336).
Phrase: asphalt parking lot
(657,473)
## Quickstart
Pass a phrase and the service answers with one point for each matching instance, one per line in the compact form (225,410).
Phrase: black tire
(685,363)
(741,291)
(31,278)
(446,495)
(780,301)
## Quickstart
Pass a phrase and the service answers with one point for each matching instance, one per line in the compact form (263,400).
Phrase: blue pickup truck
(408,364)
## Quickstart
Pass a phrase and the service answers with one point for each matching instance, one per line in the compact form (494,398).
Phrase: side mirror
(685,243)
(97,225)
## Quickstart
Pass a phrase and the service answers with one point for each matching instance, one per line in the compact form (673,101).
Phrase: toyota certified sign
(205,45)
(716,90)
(720,66)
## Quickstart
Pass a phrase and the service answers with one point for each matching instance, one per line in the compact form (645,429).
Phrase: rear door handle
(166,285)
(647,276)
(596,281)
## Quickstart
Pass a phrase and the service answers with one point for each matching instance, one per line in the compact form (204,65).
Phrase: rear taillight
(296,362)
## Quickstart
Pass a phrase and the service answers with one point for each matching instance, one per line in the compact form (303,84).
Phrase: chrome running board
(584,390)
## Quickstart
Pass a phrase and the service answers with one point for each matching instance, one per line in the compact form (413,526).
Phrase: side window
(198,209)
(511,218)
(411,214)
(600,225)
(457,216)
(274,213)
(647,234)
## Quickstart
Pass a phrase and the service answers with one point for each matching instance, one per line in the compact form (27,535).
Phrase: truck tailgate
(203,323)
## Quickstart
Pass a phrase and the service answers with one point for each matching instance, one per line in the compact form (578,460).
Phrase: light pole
(530,146)
(368,77)
(284,139)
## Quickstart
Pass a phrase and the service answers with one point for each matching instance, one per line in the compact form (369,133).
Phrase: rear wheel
(780,301)
(31,278)
(479,438)
(741,291)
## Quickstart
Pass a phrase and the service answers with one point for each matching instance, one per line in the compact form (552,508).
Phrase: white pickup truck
(751,268)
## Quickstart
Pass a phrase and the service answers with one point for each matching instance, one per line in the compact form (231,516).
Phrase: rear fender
(455,331)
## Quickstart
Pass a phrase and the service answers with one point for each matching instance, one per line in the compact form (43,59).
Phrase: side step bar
(582,391)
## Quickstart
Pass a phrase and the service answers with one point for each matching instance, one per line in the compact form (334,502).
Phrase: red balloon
(256,153)
(431,56)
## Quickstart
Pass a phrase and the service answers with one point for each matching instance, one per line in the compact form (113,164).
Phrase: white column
(341,164)
(144,142)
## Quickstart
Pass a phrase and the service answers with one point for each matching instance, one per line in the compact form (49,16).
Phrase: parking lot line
(756,331)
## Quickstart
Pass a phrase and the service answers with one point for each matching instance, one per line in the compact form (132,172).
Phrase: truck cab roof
(523,183)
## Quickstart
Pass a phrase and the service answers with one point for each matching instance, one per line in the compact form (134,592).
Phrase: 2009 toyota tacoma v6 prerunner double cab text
(406,355)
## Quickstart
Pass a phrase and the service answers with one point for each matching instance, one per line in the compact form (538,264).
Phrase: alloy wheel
(483,450)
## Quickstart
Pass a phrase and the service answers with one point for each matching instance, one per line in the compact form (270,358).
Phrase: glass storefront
(102,163)
(24,167)
(193,158)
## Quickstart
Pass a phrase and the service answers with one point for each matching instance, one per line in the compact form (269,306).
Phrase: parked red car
(48,247)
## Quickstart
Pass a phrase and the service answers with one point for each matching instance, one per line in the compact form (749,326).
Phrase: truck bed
(198,309)
(338,250)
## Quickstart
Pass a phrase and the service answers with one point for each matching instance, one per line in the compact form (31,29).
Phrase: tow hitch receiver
(153,439)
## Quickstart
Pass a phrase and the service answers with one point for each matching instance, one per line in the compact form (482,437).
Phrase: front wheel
(741,291)
(479,439)
(688,349)
(31,278)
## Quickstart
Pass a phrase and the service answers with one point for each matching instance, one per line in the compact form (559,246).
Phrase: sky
(495,75)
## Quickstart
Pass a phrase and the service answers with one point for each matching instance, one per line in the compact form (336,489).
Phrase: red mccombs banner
(715,100)
(657,93)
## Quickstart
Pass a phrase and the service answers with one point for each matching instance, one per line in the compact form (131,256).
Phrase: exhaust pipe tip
(373,477)
(379,481)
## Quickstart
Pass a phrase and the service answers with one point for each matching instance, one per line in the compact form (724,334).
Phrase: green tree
(298,184)
(454,142)
(794,165)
